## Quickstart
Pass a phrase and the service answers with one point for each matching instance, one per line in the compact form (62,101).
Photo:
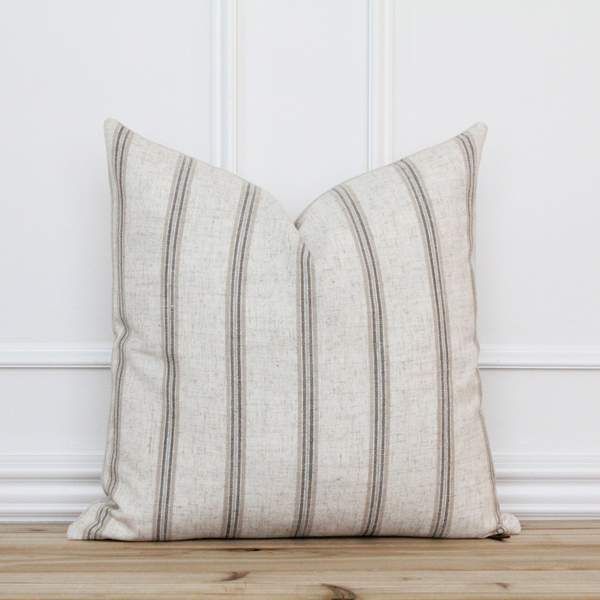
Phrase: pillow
(272,380)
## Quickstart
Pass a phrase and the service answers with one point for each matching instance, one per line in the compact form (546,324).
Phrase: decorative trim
(493,357)
(58,487)
(379,82)
(224,83)
(67,356)
(549,486)
(48,487)
(379,152)
(561,358)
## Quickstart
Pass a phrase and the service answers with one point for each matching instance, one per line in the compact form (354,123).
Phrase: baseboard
(549,486)
(544,486)
(48,487)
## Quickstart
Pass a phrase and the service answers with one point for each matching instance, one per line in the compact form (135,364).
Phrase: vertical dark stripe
(428,227)
(91,532)
(470,157)
(120,148)
(235,340)
(378,357)
(469,152)
(307,391)
(173,230)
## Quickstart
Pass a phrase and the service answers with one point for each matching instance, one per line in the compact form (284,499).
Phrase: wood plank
(550,560)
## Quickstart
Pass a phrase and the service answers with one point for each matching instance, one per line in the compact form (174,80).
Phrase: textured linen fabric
(279,380)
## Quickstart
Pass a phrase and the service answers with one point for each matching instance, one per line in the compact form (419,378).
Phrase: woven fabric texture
(273,379)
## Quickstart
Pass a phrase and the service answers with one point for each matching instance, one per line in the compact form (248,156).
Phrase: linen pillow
(272,380)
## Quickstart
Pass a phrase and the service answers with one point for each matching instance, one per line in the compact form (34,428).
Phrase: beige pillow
(275,381)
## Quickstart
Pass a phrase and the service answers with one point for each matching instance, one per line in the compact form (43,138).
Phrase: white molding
(549,486)
(59,487)
(45,356)
(493,357)
(379,152)
(379,82)
(562,358)
(48,487)
(224,83)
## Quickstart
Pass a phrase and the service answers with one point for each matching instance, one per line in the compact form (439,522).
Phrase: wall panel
(66,66)
(529,70)
(302,95)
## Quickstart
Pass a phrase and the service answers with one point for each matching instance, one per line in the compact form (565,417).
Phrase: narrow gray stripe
(170,381)
(236,348)
(378,357)
(121,302)
(312,390)
(307,391)
(92,533)
(232,369)
(410,174)
(122,140)
(469,151)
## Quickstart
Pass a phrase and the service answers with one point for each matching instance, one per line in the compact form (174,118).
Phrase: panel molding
(379,152)
(224,100)
(63,356)
(539,357)
(493,357)
(380,22)
(58,487)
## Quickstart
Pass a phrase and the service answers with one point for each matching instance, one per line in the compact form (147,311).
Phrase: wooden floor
(549,560)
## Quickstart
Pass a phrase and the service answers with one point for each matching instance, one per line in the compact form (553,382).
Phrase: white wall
(298,96)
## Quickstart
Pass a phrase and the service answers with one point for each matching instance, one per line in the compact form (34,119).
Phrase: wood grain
(549,560)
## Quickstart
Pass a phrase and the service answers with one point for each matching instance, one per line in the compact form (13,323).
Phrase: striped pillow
(272,380)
